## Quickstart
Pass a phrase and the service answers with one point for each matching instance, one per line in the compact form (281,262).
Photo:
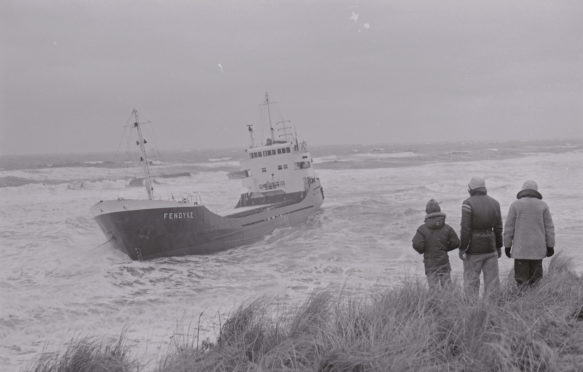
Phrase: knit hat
(530,185)
(476,183)
(432,207)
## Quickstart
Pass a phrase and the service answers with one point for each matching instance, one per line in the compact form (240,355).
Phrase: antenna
(143,158)
(250,128)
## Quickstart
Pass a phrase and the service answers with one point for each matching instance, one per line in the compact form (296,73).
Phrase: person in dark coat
(433,240)
(481,239)
(529,234)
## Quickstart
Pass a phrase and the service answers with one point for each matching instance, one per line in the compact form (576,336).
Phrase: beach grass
(90,355)
(406,328)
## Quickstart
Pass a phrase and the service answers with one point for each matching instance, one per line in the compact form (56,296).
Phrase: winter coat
(481,225)
(529,228)
(434,239)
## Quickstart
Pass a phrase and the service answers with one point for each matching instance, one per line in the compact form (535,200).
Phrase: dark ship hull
(145,229)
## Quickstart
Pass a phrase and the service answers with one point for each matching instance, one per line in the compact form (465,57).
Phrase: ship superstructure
(279,166)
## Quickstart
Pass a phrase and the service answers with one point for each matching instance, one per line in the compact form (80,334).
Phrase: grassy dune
(408,328)
(89,355)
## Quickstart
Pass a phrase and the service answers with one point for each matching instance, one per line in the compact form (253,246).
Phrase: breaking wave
(12,181)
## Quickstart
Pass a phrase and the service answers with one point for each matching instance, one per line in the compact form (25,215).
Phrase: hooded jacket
(434,239)
(529,227)
(481,224)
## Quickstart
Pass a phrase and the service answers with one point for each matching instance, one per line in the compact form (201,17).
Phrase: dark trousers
(439,279)
(528,271)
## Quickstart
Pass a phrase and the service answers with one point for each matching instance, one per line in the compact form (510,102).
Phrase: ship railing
(191,198)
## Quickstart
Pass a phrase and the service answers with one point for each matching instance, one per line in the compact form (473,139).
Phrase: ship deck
(235,212)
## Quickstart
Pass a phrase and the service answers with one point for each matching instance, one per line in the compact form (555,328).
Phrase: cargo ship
(282,189)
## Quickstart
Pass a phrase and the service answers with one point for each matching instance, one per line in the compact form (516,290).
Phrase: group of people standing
(528,236)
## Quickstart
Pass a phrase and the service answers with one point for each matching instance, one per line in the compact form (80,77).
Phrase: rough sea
(60,280)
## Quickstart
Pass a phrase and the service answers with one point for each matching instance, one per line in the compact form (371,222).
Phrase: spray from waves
(99,183)
(80,224)
(326,159)
(223,159)
(378,212)
(386,155)
(78,184)
(31,184)
(91,178)
(55,162)
(13,181)
(82,164)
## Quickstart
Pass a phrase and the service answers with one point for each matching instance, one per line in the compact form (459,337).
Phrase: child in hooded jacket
(433,240)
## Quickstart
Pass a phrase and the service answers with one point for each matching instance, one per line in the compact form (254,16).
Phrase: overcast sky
(343,71)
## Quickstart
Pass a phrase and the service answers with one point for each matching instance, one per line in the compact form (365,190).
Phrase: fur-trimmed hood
(435,220)
(529,193)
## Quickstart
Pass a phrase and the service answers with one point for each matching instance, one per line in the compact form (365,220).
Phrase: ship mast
(143,158)
(267,102)
(284,128)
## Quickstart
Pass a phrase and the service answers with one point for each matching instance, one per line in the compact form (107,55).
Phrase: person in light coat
(529,234)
